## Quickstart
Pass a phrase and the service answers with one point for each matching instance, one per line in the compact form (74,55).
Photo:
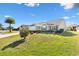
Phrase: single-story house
(49,25)
(75,26)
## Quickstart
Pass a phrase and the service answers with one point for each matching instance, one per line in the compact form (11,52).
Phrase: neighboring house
(49,25)
(76,27)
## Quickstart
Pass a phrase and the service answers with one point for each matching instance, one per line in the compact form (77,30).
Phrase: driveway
(7,35)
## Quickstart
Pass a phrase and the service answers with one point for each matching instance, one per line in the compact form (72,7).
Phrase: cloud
(66,17)
(18,3)
(67,5)
(33,15)
(7,16)
(31,4)
(77,13)
(73,16)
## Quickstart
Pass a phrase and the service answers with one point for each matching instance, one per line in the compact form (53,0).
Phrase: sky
(29,13)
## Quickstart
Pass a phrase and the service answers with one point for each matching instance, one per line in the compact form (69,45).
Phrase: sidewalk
(7,35)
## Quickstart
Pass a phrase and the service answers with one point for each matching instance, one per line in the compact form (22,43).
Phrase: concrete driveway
(7,35)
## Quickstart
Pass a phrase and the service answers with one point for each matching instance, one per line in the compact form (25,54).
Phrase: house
(74,27)
(42,26)
(49,25)
(60,23)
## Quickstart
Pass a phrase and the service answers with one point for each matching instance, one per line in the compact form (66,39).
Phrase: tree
(74,28)
(1,26)
(10,21)
(23,32)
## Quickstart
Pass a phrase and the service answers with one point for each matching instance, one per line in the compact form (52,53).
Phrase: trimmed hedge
(40,31)
(60,31)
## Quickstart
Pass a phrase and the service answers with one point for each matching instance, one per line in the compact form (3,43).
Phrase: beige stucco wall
(60,23)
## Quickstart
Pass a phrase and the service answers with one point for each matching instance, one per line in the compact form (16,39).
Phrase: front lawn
(41,45)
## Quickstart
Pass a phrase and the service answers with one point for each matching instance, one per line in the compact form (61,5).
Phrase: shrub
(36,31)
(31,31)
(24,32)
(15,29)
(40,31)
(59,31)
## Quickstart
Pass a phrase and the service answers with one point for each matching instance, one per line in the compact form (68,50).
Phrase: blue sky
(29,13)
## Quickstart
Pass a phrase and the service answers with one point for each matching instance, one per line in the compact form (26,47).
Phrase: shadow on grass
(68,34)
(14,44)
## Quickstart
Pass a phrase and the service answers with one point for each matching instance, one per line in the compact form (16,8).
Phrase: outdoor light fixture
(44,26)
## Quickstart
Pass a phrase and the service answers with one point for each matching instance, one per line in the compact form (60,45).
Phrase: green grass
(42,45)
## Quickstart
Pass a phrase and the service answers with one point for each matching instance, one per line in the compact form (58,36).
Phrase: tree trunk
(10,29)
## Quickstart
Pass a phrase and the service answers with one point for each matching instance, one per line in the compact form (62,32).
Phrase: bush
(15,29)
(59,31)
(35,31)
(24,33)
(31,31)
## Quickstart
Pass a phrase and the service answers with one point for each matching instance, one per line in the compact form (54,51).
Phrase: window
(38,27)
(44,27)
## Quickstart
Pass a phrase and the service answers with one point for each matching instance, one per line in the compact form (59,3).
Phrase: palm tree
(1,26)
(10,21)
